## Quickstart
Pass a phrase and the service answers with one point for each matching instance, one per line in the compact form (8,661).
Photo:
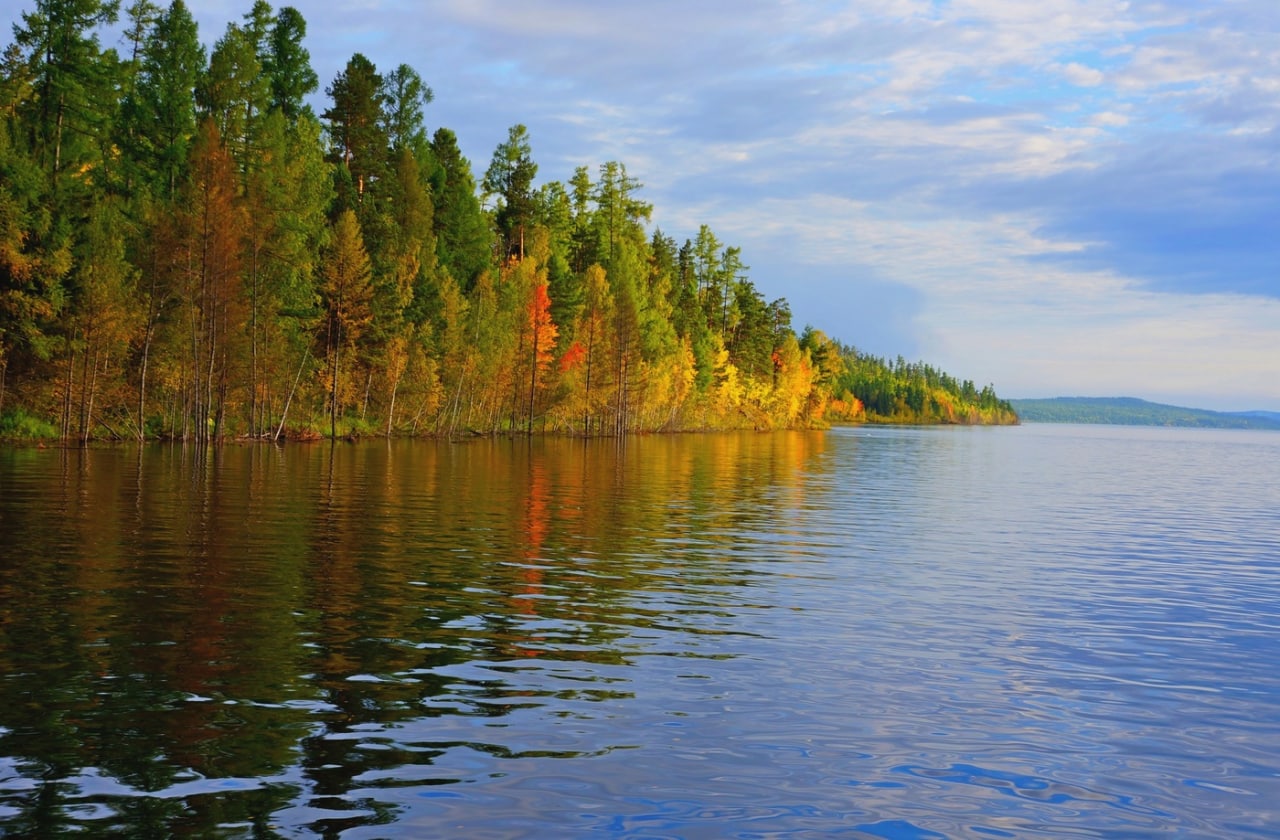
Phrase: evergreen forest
(189,251)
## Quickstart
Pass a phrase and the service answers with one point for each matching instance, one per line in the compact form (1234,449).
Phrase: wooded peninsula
(189,252)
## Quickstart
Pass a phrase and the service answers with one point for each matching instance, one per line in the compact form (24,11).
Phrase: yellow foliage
(794,383)
(729,390)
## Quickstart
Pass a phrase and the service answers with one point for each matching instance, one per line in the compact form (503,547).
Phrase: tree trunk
(333,384)
(289,400)
(391,409)
(533,382)
(142,382)
(87,381)
(66,394)
(254,424)
(368,386)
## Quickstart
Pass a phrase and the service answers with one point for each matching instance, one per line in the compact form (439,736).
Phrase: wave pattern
(876,633)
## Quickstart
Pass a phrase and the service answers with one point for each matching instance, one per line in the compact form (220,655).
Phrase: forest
(188,251)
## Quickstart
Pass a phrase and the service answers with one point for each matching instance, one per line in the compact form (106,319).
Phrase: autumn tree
(104,319)
(213,289)
(404,274)
(456,363)
(585,360)
(542,332)
(492,332)
(347,289)
(287,194)
(185,249)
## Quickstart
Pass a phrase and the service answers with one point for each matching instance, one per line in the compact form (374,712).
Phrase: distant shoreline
(1130,411)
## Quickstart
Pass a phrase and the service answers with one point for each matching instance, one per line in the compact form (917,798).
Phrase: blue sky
(1065,197)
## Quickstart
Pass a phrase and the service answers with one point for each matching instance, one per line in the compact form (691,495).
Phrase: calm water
(1045,631)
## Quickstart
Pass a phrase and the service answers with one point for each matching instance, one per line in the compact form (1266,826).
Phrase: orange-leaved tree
(542,341)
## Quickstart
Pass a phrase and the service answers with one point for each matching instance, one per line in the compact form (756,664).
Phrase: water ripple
(876,633)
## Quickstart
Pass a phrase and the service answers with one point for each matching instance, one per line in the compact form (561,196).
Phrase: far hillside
(1129,411)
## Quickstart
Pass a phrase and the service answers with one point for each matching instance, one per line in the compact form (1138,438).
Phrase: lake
(917,633)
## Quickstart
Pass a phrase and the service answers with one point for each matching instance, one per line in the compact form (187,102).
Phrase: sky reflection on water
(869,633)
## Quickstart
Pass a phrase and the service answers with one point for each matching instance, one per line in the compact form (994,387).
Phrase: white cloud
(1109,119)
(994,309)
(1082,76)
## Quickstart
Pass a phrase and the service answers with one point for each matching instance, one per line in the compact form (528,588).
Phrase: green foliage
(69,106)
(158,117)
(463,244)
(186,251)
(288,64)
(405,95)
(35,256)
(509,180)
(913,392)
(235,93)
(356,124)
(17,424)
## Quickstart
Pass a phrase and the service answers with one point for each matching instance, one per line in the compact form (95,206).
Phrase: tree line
(1130,411)
(188,251)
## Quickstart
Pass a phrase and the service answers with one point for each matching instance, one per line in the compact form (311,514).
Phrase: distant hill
(1129,411)
(1269,416)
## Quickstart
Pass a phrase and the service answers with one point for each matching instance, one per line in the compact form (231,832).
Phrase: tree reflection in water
(230,639)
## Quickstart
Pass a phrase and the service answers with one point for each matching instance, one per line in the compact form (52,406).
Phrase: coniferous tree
(509,180)
(618,213)
(463,243)
(105,322)
(159,116)
(214,288)
(235,94)
(33,264)
(142,16)
(288,64)
(69,85)
(287,195)
(405,95)
(158,278)
(586,359)
(356,126)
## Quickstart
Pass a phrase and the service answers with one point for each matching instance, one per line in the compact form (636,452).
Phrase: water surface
(1044,631)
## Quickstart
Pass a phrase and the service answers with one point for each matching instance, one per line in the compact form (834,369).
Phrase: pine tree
(356,127)
(159,114)
(288,64)
(510,179)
